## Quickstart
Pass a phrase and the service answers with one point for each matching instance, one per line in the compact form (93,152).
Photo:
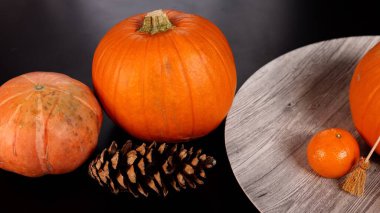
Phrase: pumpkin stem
(155,22)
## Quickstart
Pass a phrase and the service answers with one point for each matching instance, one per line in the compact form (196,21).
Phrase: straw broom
(355,180)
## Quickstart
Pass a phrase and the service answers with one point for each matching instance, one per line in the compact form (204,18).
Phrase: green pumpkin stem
(155,22)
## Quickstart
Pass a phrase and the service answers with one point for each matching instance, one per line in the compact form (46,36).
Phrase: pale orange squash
(49,124)
(165,76)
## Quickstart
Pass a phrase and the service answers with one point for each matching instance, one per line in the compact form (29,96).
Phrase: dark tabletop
(61,36)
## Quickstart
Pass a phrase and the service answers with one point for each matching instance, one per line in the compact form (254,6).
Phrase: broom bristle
(355,181)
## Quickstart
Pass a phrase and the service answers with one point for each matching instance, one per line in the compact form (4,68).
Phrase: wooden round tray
(273,117)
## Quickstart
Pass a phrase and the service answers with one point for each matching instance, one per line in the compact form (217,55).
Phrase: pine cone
(142,170)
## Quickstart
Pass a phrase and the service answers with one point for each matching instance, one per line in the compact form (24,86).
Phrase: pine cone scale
(131,157)
(131,174)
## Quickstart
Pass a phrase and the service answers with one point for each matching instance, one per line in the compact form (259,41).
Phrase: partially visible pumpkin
(49,124)
(165,76)
(365,96)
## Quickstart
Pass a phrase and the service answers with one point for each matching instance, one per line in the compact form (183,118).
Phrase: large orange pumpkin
(49,124)
(165,76)
(365,96)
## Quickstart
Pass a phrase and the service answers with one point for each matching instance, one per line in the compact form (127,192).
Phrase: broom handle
(372,150)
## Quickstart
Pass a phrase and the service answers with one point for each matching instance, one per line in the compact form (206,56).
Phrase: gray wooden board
(277,111)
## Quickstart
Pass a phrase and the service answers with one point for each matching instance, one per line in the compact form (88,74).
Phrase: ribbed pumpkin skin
(49,130)
(365,96)
(171,86)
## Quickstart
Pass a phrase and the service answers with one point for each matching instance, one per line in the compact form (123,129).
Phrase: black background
(61,36)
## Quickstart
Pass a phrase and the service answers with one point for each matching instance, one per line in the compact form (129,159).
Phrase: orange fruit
(331,153)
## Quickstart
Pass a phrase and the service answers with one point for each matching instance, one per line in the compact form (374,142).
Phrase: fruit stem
(155,22)
(372,150)
(38,87)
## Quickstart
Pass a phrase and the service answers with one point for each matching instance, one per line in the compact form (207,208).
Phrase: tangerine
(331,153)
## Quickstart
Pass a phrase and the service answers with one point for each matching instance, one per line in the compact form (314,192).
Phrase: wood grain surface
(274,115)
